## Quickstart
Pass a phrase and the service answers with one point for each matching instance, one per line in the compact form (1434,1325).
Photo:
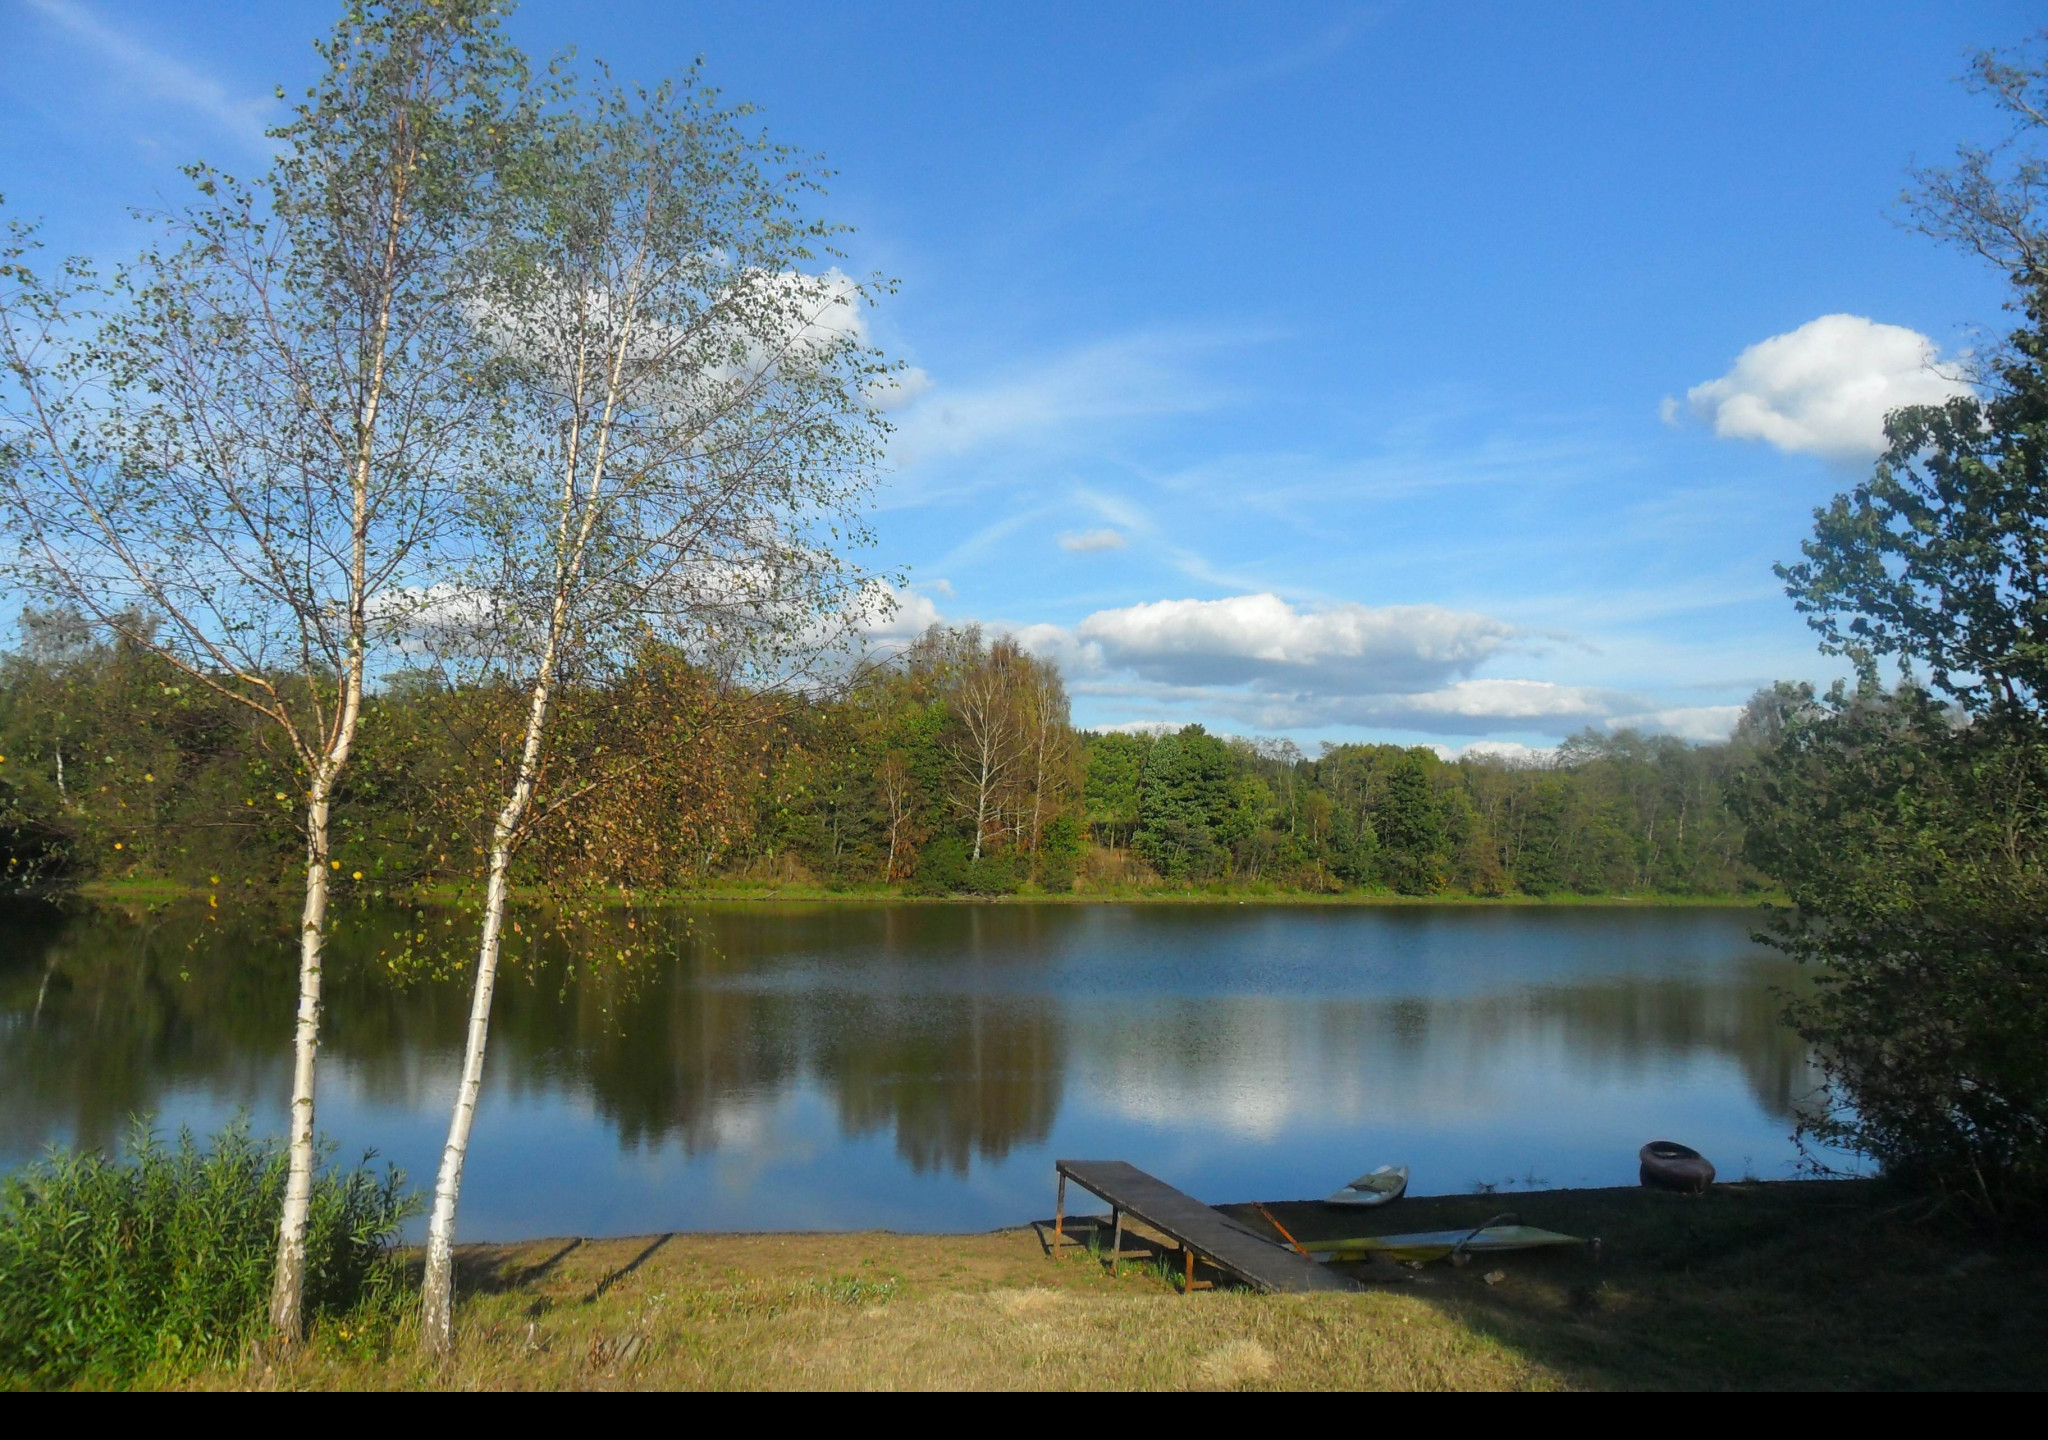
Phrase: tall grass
(162,1259)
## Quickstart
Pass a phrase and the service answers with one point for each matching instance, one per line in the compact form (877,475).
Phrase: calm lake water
(841,1066)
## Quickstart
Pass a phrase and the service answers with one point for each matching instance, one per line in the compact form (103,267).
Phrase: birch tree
(1046,740)
(985,747)
(698,429)
(897,787)
(235,452)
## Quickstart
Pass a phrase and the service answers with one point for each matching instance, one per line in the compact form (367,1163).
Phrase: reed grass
(116,1269)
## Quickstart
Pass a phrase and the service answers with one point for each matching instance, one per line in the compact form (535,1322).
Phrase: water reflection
(917,1065)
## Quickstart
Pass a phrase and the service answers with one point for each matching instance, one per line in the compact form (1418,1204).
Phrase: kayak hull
(1668,1165)
(1435,1244)
(1382,1186)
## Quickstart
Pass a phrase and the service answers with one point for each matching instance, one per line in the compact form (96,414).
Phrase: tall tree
(1185,799)
(1911,828)
(1112,777)
(1411,827)
(242,465)
(986,744)
(1046,741)
(697,414)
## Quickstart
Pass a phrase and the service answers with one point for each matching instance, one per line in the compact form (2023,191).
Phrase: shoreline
(165,891)
(1799,1284)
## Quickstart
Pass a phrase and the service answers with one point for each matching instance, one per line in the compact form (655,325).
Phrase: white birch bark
(437,1310)
(239,481)
(983,704)
(287,1288)
(679,371)
(578,517)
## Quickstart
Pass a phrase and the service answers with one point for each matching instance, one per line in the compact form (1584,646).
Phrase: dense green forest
(950,768)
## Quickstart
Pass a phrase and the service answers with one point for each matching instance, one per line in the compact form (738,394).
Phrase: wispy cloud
(1117,176)
(989,536)
(1083,541)
(161,76)
(1062,400)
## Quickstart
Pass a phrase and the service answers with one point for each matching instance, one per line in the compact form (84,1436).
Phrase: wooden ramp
(1217,1238)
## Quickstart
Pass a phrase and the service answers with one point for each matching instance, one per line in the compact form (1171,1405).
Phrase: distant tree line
(951,768)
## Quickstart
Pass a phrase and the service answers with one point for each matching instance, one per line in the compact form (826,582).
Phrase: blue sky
(1338,371)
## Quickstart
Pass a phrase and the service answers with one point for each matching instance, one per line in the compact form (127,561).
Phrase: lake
(918,1067)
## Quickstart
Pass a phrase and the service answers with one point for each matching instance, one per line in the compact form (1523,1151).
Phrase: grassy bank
(1821,1285)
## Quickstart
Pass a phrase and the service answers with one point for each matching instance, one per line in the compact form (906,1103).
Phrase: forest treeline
(951,768)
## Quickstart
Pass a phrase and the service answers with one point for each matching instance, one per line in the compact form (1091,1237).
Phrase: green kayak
(1435,1244)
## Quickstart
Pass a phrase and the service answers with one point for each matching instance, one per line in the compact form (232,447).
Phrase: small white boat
(1384,1184)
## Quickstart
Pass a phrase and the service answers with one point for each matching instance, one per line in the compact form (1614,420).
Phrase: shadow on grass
(1095,1234)
(492,1270)
(612,1278)
(1787,1285)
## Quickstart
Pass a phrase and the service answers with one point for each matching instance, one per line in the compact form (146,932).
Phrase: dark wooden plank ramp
(1224,1243)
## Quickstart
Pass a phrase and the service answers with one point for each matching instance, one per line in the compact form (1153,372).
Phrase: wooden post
(1189,1252)
(1116,1238)
(1059,1217)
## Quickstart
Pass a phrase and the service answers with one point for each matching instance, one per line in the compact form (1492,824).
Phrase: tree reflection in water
(963,1032)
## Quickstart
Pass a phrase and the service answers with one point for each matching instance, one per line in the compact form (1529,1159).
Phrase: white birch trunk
(983,783)
(288,1283)
(577,520)
(437,1301)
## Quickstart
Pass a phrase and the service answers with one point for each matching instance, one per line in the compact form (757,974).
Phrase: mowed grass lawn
(1796,1285)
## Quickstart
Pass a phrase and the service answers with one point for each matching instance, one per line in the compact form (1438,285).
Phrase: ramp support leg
(1059,1218)
(1116,1238)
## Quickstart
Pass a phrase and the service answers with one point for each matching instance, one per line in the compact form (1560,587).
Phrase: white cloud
(1825,388)
(1351,648)
(1082,541)
(1688,722)
(164,78)
(1509,700)
(1077,658)
(892,618)
(1255,664)
(1467,707)
(898,389)
(1511,753)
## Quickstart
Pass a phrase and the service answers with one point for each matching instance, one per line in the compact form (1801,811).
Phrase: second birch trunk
(437,1301)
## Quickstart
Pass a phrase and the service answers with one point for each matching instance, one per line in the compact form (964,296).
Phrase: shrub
(942,868)
(1913,850)
(1059,854)
(996,874)
(109,1268)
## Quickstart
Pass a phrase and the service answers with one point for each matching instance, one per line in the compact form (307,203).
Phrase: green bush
(996,874)
(1059,854)
(164,1258)
(1913,850)
(942,868)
